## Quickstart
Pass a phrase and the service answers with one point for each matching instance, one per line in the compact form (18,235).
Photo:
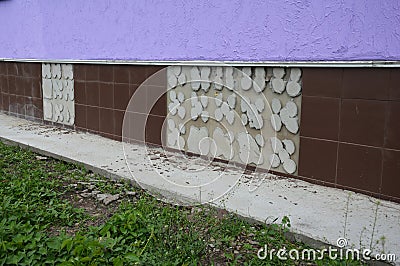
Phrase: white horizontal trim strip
(218,63)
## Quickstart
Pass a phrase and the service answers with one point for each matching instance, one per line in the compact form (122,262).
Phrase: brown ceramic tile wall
(20,89)
(350,130)
(349,135)
(102,94)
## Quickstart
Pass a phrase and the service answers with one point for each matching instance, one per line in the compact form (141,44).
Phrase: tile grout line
(351,143)
(338,143)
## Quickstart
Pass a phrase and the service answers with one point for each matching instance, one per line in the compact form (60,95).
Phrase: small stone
(253,242)
(154,157)
(130,193)
(110,199)
(95,192)
(101,197)
(83,183)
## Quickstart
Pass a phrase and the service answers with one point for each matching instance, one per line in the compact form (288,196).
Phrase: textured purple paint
(237,30)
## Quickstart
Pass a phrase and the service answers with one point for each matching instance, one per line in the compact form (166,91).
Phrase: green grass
(35,198)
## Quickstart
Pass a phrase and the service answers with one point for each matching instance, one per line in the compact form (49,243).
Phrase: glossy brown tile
(394,84)
(37,87)
(92,93)
(121,73)
(138,101)
(127,132)
(6,102)
(3,68)
(317,159)
(156,100)
(324,82)
(25,69)
(362,122)
(4,84)
(20,85)
(320,117)
(92,72)
(132,89)
(79,72)
(29,108)
(37,106)
(106,95)
(12,106)
(136,127)
(12,86)
(157,78)
(20,105)
(106,73)
(366,83)
(30,70)
(27,86)
(392,131)
(121,96)
(118,122)
(80,92)
(116,138)
(359,167)
(80,116)
(391,173)
(137,74)
(151,70)
(106,121)
(36,70)
(92,118)
(105,135)
(154,129)
(12,69)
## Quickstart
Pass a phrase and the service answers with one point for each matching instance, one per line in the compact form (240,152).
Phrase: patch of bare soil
(97,205)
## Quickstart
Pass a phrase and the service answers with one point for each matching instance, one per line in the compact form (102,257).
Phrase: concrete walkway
(316,212)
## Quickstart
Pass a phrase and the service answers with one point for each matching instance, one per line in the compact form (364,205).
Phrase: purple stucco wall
(237,30)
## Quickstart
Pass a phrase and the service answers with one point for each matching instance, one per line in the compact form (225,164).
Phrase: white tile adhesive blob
(223,145)
(249,151)
(195,135)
